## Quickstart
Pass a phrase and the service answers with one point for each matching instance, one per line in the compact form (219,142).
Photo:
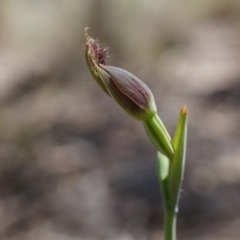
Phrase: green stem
(170,220)
(170,211)
(170,214)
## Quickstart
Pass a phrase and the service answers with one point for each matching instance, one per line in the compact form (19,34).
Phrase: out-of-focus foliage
(73,165)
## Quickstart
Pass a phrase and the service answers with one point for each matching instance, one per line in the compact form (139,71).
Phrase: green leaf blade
(178,164)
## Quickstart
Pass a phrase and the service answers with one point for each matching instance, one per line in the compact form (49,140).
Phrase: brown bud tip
(184,110)
(96,53)
(94,56)
(86,33)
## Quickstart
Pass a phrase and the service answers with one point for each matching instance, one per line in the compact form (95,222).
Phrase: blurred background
(73,165)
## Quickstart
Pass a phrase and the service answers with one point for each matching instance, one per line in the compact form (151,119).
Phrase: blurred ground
(73,165)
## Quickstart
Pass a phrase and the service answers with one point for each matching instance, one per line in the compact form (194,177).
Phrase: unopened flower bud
(130,93)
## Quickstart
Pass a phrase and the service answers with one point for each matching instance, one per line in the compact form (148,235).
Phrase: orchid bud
(129,92)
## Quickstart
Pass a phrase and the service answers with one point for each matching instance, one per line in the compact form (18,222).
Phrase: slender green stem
(170,214)
(170,211)
(170,220)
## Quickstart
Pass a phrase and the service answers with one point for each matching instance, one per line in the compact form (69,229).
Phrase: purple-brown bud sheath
(130,93)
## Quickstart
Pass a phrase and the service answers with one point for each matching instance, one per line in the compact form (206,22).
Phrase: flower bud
(129,92)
